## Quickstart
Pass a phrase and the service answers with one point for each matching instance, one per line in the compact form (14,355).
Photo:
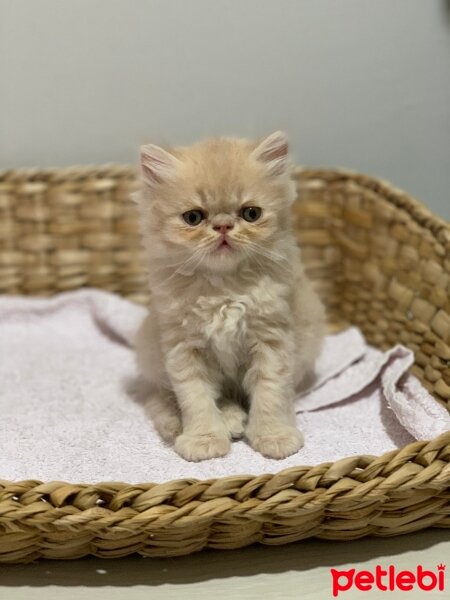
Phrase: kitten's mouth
(223,246)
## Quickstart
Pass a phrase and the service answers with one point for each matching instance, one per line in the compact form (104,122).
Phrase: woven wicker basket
(381,261)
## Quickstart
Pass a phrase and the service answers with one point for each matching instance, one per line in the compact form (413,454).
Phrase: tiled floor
(299,570)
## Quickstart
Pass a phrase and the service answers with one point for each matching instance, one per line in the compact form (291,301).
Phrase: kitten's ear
(273,152)
(157,165)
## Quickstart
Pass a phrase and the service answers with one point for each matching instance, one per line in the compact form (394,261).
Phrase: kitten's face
(216,204)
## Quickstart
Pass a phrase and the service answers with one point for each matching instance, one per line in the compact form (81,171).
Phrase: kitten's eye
(193,217)
(251,213)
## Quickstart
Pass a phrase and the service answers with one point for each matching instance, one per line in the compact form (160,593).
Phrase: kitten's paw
(169,428)
(202,447)
(235,418)
(280,444)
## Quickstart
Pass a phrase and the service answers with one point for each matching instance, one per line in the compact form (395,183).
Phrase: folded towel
(68,410)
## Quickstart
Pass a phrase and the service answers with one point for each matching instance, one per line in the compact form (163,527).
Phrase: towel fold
(68,410)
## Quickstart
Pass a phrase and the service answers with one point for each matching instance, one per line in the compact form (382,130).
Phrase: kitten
(234,324)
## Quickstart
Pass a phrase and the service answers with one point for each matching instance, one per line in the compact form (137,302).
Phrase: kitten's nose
(223,226)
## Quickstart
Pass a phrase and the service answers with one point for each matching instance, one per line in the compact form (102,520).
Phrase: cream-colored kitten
(234,324)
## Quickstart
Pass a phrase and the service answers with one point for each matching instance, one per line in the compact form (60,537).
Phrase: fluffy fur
(234,324)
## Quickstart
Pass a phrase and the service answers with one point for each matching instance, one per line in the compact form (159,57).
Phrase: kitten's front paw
(169,428)
(234,418)
(279,444)
(201,447)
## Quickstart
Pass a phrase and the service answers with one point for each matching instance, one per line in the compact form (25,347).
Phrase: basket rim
(363,467)
(423,215)
(394,194)
(397,195)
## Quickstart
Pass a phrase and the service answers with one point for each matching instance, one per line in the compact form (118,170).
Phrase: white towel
(67,410)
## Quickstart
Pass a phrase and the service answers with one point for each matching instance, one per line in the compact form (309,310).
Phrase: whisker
(195,255)
(255,258)
(270,254)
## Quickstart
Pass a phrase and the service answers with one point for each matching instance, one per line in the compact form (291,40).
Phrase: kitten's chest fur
(220,324)
(223,319)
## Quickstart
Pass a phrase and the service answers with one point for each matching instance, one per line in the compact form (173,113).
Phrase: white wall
(358,83)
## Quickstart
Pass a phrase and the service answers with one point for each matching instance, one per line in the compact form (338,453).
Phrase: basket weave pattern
(380,260)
